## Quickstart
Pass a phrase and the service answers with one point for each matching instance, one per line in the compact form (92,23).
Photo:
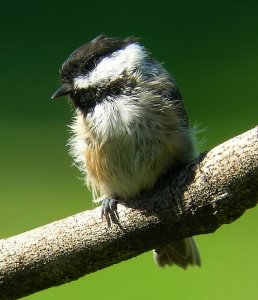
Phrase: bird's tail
(182,253)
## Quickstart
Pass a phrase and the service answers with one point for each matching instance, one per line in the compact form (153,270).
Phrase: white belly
(123,150)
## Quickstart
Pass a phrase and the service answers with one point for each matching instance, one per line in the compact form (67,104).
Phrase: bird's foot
(109,211)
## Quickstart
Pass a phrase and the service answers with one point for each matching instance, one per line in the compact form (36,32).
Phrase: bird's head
(105,67)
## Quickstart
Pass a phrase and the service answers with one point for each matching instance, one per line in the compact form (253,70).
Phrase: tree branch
(213,190)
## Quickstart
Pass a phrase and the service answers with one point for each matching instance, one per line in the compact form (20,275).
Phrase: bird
(129,127)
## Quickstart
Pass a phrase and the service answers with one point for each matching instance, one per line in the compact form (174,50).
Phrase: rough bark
(214,189)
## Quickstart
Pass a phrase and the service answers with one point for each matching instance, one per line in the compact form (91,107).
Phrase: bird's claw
(109,211)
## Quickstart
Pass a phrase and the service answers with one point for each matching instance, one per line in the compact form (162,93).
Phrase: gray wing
(175,96)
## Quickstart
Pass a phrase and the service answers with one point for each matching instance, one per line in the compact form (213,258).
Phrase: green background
(211,47)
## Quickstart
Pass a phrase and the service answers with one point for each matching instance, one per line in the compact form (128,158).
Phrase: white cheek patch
(111,67)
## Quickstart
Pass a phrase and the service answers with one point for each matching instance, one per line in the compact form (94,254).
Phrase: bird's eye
(88,66)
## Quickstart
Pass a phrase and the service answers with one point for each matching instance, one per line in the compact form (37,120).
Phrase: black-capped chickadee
(130,127)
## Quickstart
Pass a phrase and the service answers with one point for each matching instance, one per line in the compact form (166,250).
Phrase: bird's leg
(109,211)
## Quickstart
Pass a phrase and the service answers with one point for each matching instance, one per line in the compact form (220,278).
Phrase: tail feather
(182,253)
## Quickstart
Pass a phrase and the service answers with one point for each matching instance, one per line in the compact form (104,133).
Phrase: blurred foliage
(211,47)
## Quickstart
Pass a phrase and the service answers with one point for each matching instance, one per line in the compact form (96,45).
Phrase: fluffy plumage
(130,125)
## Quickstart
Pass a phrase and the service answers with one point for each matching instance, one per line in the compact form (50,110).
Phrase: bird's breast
(124,150)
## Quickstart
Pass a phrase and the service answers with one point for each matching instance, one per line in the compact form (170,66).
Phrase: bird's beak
(65,89)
